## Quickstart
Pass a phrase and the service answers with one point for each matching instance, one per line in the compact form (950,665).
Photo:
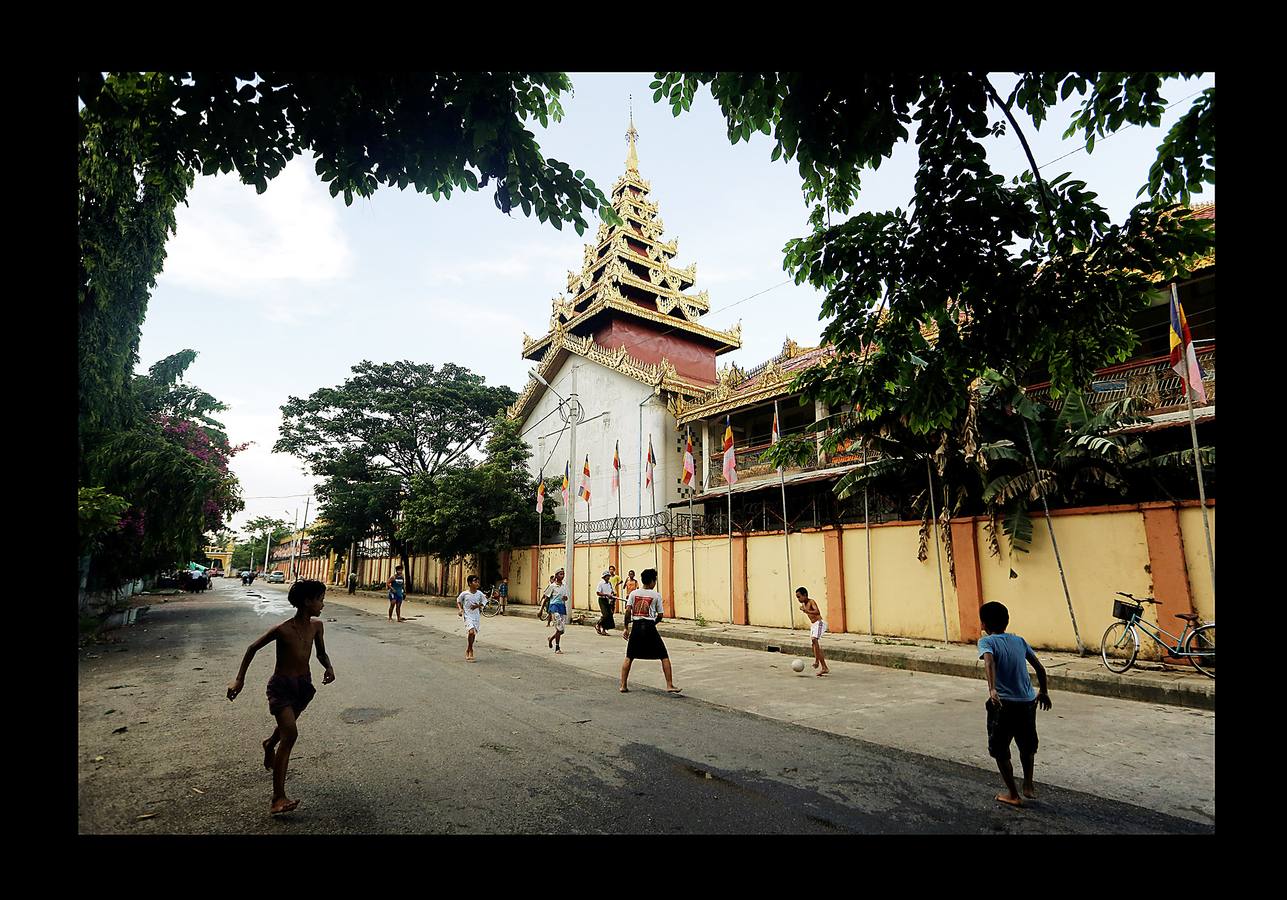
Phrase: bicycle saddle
(1192,617)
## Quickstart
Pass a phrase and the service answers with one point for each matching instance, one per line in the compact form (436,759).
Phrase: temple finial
(632,159)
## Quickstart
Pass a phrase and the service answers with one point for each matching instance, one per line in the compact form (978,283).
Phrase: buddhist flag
(540,496)
(730,459)
(616,467)
(566,482)
(584,493)
(690,467)
(1184,360)
(777,434)
(652,463)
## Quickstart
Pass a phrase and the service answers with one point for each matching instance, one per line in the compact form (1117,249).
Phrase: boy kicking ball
(817,628)
(291,687)
(1012,703)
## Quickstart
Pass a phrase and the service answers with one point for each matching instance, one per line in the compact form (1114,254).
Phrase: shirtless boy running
(291,687)
(817,628)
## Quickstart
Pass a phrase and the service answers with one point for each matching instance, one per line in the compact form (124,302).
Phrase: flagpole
(866,527)
(652,486)
(730,553)
(540,516)
(692,530)
(937,553)
(617,475)
(786,528)
(1197,458)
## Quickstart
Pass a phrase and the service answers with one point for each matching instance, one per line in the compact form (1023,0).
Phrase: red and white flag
(690,466)
(584,493)
(730,458)
(1183,358)
(652,463)
(540,496)
(616,467)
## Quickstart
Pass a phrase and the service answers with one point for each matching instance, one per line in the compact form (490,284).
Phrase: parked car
(276,577)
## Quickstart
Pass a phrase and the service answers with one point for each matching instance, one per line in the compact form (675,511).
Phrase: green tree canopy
(389,423)
(976,274)
(477,509)
(171,467)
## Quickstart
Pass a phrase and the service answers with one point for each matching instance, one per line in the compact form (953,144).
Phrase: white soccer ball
(798,665)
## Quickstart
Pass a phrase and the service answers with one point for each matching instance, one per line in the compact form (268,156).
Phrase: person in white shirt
(643,612)
(470,603)
(606,598)
(558,612)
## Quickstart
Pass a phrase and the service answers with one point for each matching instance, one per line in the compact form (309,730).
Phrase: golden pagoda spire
(632,159)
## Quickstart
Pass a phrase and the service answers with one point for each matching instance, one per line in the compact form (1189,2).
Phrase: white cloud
(230,239)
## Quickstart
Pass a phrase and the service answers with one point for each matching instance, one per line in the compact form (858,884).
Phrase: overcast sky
(282,293)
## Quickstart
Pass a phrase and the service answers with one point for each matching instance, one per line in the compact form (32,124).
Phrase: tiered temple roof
(629,308)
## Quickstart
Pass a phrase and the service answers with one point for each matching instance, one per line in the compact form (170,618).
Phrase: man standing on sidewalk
(353,582)
(606,600)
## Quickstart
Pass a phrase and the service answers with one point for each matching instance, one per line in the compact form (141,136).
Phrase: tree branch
(1032,163)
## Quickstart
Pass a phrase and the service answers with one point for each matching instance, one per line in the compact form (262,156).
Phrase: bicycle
(491,605)
(1121,642)
(543,613)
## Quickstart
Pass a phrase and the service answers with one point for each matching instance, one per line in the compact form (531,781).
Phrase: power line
(1115,133)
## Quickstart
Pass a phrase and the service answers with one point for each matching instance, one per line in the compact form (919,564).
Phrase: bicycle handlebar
(1139,599)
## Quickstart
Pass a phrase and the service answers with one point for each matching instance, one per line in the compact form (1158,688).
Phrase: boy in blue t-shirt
(1012,704)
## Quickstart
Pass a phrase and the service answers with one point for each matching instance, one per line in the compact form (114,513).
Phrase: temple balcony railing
(1152,381)
(751,462)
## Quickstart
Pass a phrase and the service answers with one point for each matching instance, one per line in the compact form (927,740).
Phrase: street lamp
(571,412)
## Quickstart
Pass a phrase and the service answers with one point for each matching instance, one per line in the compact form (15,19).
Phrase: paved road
(411,739)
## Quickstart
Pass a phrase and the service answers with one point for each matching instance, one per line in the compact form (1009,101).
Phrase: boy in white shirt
(470,604)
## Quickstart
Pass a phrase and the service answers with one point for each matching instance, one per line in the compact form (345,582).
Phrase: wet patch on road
(365,715)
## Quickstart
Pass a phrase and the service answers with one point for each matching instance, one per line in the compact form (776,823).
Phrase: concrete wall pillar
(666,577)
(1167,565)
(969,578)
(740,613)
(837,620)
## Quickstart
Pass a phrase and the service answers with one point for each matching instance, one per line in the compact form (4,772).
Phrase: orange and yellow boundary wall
(1149,549)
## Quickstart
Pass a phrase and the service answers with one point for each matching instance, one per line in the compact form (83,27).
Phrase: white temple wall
(612,414)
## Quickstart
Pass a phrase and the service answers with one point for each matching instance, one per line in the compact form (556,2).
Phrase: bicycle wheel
(1119,647)
(490,608)
(1201,642)
(543,614)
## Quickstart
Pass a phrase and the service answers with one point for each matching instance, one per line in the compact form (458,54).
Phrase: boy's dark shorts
(287,690)
(1012,721)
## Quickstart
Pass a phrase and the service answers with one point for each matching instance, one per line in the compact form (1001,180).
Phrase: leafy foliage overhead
(976,274)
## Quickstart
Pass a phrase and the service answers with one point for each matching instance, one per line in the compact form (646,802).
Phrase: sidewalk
(1147,681)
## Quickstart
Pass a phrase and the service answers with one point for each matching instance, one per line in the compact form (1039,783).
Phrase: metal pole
(294,541)
(305,527)
(730,553)
(570,539)
(786,533)
(540,520)
(692,532)
(1032,454)
(1197,463)
(268,541)
(866,527)
(937,552)
(653,487)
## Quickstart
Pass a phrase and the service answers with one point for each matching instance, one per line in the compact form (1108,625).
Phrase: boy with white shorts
(470,603)
(817,628)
